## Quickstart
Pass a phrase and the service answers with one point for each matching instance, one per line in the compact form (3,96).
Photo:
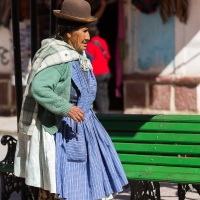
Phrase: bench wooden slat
(149,118)
(157,148)
(155,137)
(159,160)
(151,126)
(162,173)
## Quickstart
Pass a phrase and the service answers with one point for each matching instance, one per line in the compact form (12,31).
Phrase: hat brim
(72,18)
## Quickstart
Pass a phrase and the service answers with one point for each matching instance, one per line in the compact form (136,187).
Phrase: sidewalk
(168,192)
(8,125)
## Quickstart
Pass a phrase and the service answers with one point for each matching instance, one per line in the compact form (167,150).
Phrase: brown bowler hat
(75,10)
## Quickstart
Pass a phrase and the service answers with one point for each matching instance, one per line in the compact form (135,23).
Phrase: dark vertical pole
(34,31)
(52,17)
(17,54)
(34,48)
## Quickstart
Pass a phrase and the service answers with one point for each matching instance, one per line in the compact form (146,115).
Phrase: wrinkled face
(78,39)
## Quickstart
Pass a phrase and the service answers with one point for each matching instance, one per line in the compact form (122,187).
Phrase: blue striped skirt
(87,165)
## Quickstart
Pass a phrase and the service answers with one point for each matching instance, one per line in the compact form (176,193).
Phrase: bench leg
(143,190)
(182,190)
(11,183)
(197,187)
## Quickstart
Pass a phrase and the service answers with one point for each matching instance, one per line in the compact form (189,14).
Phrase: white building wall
(187,45)
(185,51)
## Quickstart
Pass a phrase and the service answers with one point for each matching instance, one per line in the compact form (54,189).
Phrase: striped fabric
(87,165)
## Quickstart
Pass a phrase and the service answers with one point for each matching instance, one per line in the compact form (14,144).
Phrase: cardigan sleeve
(43,90)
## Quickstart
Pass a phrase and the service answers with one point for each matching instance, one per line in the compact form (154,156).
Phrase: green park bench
(152,149)
(156,148)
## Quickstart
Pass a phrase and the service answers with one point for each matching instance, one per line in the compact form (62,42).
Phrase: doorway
(108,26)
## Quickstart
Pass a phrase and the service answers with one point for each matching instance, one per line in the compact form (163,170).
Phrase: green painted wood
(180,123)
(149,145)
(164,169)
(135,159)
(162,173)
(149,118)
(163,149)
(151,126)
(152,137)
(6,168)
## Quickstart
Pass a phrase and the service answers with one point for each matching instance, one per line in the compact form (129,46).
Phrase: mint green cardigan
(51,89)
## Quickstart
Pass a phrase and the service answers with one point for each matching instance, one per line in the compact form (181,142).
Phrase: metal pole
(52,17)
(34,31)
(17,55)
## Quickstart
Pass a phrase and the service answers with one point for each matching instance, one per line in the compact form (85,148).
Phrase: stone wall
(167,95)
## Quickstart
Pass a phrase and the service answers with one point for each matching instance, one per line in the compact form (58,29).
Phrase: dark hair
(93,30)
(64,26)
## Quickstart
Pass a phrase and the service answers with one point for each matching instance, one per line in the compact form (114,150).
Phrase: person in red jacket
(98,52)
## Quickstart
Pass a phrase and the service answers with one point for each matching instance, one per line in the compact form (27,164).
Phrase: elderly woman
(62,148)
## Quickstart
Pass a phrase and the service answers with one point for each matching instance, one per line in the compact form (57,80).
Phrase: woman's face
(78,39)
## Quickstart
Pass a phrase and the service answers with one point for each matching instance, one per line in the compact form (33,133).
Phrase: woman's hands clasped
(76,114)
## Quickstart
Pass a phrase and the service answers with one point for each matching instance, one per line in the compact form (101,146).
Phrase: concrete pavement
(8,125)
(168,192)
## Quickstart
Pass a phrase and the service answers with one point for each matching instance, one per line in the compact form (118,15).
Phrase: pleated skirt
(87,164)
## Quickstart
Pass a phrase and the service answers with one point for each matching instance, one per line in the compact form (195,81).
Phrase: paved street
(8,125)
(168,192)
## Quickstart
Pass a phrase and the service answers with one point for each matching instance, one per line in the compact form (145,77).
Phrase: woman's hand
(76,114)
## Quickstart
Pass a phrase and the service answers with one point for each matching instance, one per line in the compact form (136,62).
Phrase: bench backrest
(157,147)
